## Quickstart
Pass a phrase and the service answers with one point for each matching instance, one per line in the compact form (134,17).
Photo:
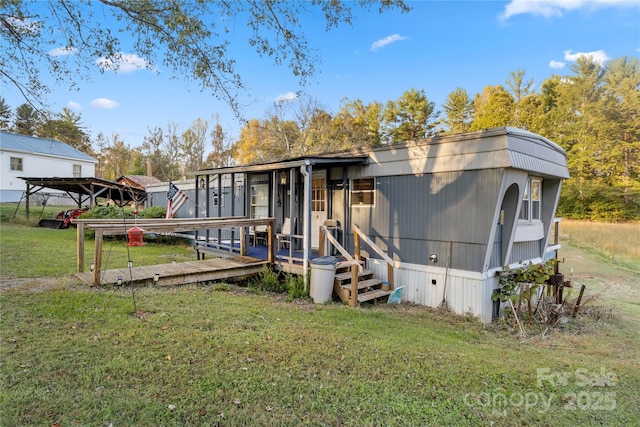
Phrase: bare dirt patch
(36,284)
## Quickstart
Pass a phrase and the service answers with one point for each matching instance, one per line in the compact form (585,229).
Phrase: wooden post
(353,301)
(390,276)
(97,258)
(321,243)
(271,255)
(26,202)
(243,241)
(356,245)
(575,309)
(80,247)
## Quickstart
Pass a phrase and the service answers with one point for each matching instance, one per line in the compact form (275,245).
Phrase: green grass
(30,251)
(616,243)
(219,355)
(80,357)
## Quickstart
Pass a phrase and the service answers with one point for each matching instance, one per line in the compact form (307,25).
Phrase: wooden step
(371,295)
(342,277)
(364,284)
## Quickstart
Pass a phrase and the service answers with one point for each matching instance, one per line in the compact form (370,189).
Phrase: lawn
(219,354)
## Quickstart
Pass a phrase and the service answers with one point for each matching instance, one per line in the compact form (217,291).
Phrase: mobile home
(450,211)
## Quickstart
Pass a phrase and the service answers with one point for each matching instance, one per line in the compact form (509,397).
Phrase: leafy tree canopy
(66,38)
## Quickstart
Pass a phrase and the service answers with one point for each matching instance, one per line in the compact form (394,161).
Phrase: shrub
(295,286)
(268,281)
(107,212)
(152,212)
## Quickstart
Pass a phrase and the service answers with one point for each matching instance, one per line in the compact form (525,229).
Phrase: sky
(436,47)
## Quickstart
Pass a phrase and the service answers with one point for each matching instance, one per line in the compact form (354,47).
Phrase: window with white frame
(363,192)
(259,201)
(15,164)
(531,206)
(77,171)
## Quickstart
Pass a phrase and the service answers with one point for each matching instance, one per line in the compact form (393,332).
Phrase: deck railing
(356,268)
(104,227)
(359,235)
(354,260)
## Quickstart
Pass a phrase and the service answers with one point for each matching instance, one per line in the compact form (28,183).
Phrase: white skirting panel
(466,292)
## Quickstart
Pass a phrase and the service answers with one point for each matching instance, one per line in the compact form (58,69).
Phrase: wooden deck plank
(180,273)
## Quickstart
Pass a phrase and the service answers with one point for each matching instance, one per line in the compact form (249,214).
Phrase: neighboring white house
(28,156)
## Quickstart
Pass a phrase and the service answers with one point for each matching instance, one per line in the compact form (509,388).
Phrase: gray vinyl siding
(423,213)
(524,251)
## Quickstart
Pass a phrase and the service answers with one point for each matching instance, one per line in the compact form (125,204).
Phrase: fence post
(80,247)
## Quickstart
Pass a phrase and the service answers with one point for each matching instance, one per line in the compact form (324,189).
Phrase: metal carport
(87,189)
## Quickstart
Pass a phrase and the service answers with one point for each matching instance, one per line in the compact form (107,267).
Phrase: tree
(412,116)
(67,127)
(152,149)
(458,109)
(220,156)
(519,90)
(493,108)
(173,151)
(115,157)
(102,144)
(594,117)
(622,85)
(27,121)
(192,143)
(357,125)
(193,39)
(5,114)
(250,146)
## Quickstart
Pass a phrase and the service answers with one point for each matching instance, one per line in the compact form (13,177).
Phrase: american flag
(175,199)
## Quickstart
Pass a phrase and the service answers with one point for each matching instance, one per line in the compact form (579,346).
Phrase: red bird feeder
(135,234)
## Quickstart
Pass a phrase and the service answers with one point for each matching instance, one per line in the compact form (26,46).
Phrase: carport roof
(90,186)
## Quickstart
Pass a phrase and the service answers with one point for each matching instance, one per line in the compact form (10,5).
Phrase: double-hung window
(15,164)
(531,201)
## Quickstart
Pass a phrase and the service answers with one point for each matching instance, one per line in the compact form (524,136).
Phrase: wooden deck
(180,273)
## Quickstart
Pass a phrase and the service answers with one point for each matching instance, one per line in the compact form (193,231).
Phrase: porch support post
(292,209)
(306,171)
(80,247)
(26,202)
(219,213)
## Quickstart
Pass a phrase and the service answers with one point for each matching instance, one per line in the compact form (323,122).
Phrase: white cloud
(123,63)
(286,97)
(379,44)
(103,103)
(556,8)
(63,51)
(599,56)
(24,27)
(556,64)
(74,106)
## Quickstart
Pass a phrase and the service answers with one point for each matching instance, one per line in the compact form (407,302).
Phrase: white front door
(318,205)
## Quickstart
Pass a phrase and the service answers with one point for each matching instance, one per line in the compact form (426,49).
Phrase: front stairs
(369,289)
